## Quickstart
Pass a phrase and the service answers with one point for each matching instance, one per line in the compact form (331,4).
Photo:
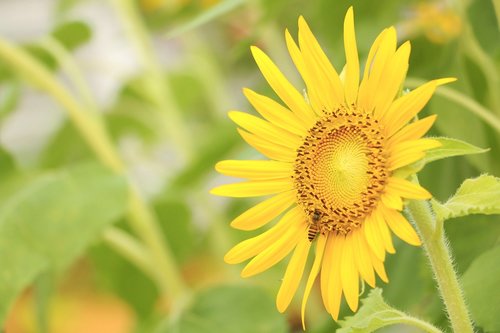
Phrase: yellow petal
(293,275)
(255,245)
(373,237)
(352,62)
(269,149)
(264,212)
(391,200)
(277,251)
(405,159)
(364,96)
(275,113)
(335,285)
(326,79)
(288,94)
(401,227)
(384,53)
(328,258)
(362,256)
(256,170)
(407,152)
(413,131)
(265,129)
(253,188)
(406,107)
(314,93)
(384,231)
(295,53)
(379,267)
(390,84)
(320,247)
(407,189)
(349,274)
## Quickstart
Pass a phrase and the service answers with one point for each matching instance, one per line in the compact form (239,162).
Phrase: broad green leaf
(475,196)
(480,283)
(239,309)
(51,221)
(485,230)
(375,314)
(450,147)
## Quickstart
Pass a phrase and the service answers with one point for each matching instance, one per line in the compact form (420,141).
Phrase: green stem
(146,224)
(496,5)
(68,63)
(459,98)
(439,255)
(91,129)
(141,217)
(156,83)
(130,248)
(475,52)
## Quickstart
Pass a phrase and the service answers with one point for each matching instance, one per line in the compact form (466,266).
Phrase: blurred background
(103,101)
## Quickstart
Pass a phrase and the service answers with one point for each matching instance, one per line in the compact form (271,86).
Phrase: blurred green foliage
(54,210)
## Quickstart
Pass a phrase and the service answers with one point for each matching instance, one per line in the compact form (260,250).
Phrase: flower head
(331,174)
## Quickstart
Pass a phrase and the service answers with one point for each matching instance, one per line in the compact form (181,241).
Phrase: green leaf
(480,283)
(451,147)
(52,220)
(7,165)
(375,314)
(9,98)
(175,222)
(72,34)
(475,196)
(241,309)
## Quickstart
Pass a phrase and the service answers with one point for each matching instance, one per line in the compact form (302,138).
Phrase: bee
(314,225)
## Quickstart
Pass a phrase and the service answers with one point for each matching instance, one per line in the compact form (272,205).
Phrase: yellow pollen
(340,170)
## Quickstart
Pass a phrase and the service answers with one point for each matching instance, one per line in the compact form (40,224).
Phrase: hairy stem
(440,258)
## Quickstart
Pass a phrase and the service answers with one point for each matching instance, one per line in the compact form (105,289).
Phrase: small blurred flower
(436,21)
(332,168)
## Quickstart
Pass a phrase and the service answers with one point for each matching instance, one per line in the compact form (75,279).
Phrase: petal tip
(440,82)
(349,14)
(215,191)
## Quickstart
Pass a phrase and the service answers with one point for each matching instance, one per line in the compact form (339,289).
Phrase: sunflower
(332,174)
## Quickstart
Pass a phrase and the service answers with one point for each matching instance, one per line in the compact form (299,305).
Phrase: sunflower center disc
(340,170)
